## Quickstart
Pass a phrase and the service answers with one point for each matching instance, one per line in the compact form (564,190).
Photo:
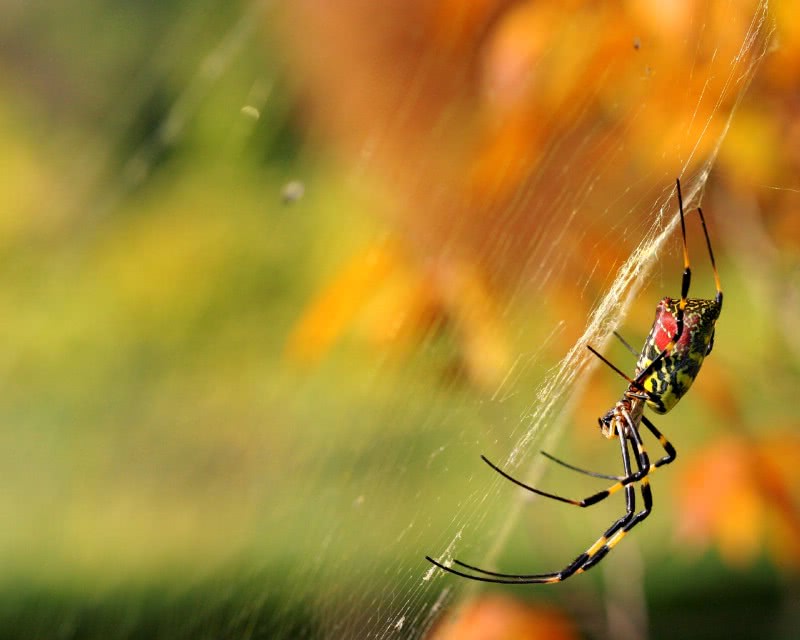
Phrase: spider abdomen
(674,375)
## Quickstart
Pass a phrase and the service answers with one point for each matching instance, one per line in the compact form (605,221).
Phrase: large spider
(681,337)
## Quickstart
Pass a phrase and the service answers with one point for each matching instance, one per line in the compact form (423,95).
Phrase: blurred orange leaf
(741,495)
(500,618)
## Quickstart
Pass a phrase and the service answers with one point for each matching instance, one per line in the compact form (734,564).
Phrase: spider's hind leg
(621,528)
(583,562)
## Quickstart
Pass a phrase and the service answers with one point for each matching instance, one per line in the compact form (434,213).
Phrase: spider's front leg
(680,313)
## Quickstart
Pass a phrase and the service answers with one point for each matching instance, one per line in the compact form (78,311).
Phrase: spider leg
(685,283)
(645,469)
(711,255)
(662,440)
(586,502)
(637,383)
(587,559)
(627,345)
(631,431)
(680,315)
(624,434)
(594,474)
(511,579)
(621,528)
(648,467)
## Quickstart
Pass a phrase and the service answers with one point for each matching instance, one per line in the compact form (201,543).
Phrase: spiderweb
(269,500)
(412,613)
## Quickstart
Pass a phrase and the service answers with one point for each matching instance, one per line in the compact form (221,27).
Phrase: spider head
(608,423)
(621,418)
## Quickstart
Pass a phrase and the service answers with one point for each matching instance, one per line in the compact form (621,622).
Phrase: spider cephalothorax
(622,417)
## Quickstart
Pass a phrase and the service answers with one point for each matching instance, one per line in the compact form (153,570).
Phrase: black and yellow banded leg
(662,440)
(687,272)
(586,502)
(686,281)
(718,297)
(671,454)
(587,559)
(615,534)
(644,468)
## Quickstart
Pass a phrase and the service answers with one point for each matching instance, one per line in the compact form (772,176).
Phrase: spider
(681,337)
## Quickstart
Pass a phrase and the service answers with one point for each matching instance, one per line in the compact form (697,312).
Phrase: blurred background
(276,274)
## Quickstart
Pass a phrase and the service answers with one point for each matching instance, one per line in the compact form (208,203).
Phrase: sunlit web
(358,469)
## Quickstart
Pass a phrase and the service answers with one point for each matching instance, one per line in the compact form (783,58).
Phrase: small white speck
(292,191)
(251,112)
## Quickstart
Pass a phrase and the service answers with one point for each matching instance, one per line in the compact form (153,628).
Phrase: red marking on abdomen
(665,326)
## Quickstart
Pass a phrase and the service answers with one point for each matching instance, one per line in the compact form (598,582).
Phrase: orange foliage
(491,123)
(391,302)
(500,618)
(739,493)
